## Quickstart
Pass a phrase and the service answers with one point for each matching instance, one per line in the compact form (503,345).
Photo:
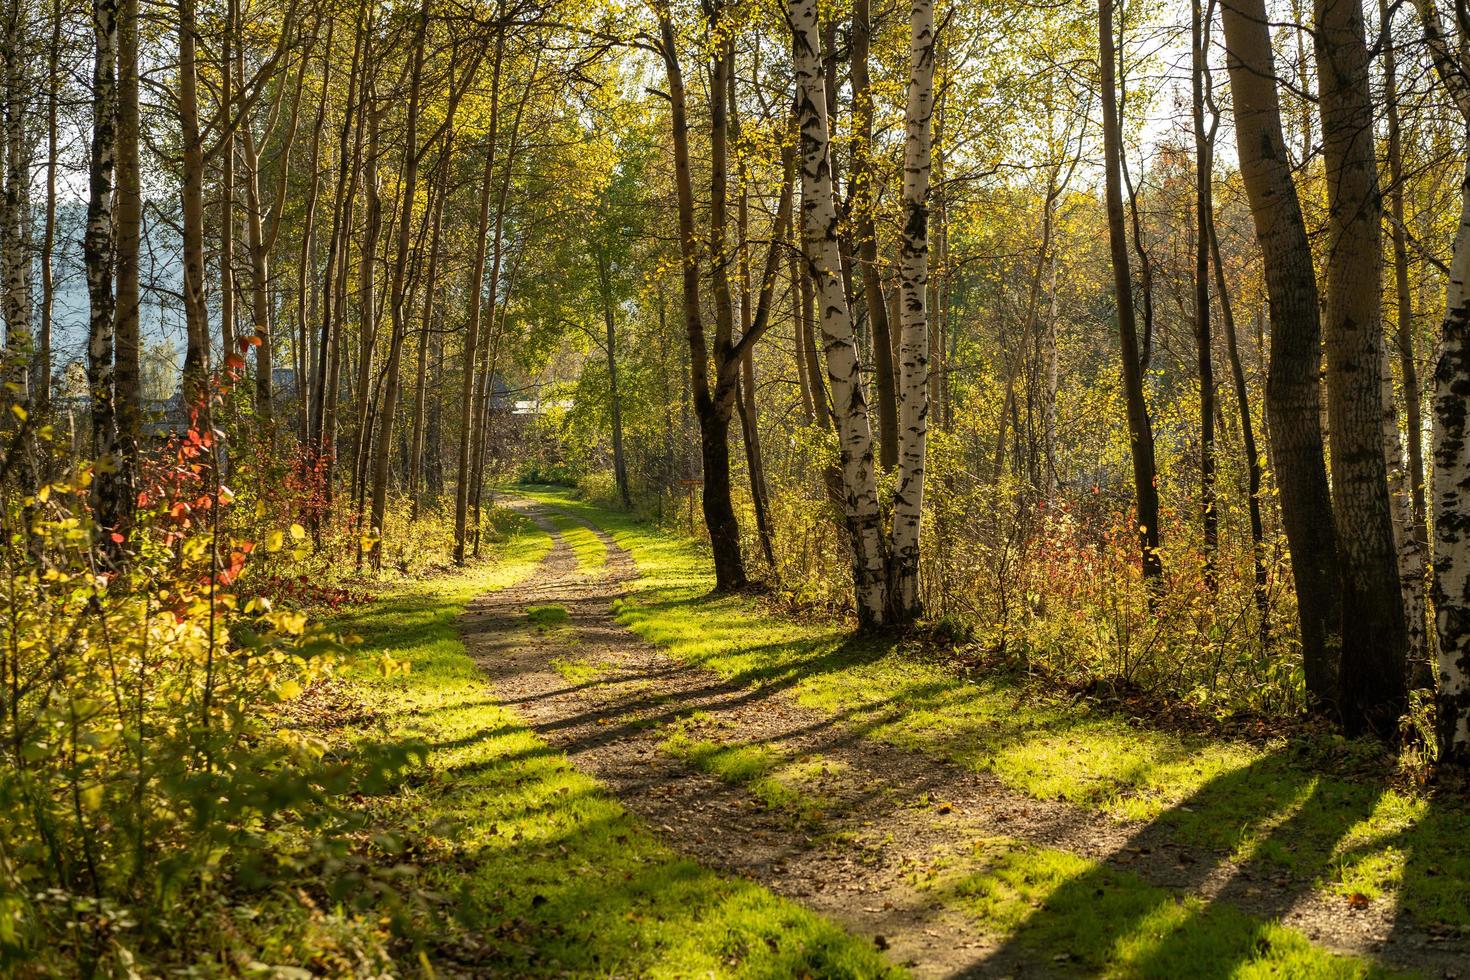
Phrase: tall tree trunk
(421,375)
(227,187)
(305,261)
(1451,441)
(467,414)
(864,180)
(1049,390)
(614,396)
(850,406)
(367,294)
(913,272)
(1140,430)
(1248,438)
(712,406)
(807,344)
(324,405)
(485,404)
(397,297)
(1411,530)
(260,338)
(1409,558)
(1451,447)
(41,386)
(745,400)
(1293,393)
(15,236)
(754,460)
(1371,682)
(127,217)
(196,323)
(98,248)
(799,335)
(1204,165)
(263,227)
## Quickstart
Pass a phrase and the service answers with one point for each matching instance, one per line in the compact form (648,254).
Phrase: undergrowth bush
(1049,585)
(150,782)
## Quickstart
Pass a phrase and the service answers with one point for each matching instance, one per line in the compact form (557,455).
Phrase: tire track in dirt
(857,862)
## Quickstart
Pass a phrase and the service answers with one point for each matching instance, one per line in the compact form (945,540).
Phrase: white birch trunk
(1406,546)
(98,243)
(1450,443)
(16,237)
(1451,446)
(913,350)
(849,402)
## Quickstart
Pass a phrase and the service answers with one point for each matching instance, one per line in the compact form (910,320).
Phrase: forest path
(845,825)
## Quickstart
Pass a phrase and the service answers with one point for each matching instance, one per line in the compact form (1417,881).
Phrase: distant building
(540,406)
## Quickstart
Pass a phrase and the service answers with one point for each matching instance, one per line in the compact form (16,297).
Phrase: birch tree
(844,373)
(15,224)
(1450,441)
(98,243)
(913,275)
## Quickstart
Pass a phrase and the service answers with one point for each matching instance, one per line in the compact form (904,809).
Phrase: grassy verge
(523,864)
(1356,840)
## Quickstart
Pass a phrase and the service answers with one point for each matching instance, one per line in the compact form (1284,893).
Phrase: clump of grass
(547,617)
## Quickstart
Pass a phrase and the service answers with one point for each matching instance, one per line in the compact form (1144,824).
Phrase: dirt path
(887,815)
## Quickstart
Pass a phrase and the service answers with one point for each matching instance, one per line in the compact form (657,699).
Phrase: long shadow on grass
(1290,830)
(1287,828)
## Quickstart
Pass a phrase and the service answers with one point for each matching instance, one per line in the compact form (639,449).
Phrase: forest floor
(661,781)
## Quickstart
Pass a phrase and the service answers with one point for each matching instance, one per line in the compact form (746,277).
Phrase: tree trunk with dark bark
(1371,682)
(1140,430)
(1293,390)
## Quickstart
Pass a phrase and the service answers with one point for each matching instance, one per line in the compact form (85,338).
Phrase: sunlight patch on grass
(1053,905)
(536,869)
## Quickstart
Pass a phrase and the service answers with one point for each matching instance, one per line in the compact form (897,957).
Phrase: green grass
(1258,804)
(547,617)
(1048,905)
(534,868)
